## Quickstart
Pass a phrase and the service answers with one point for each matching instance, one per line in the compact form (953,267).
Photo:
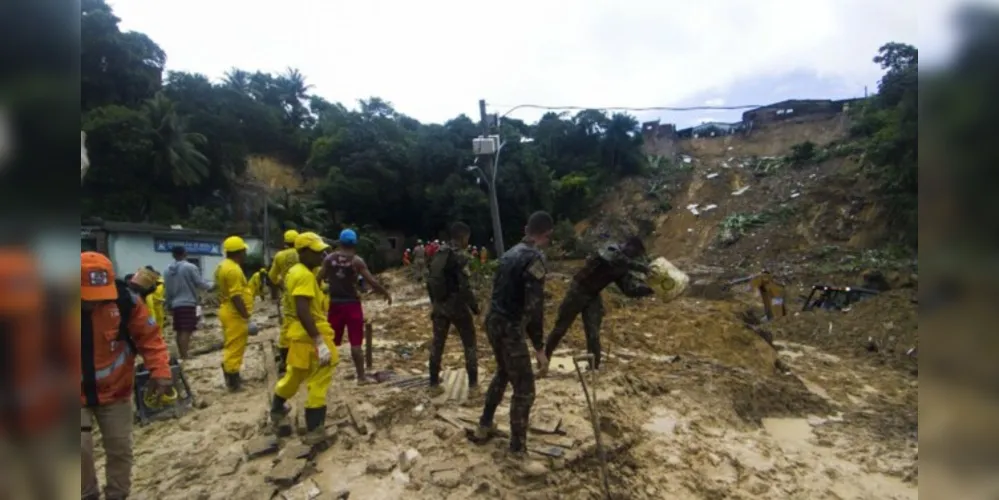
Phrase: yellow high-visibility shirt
(231,283)
(154,302)
(283,261)
(301,282)
(257,288)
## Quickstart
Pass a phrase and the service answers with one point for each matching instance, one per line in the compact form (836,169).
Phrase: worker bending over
(611,264)
(453,303)
(311,354)
(235,307)
(518,297)
(341,269)
(258,284)
(115,326)
(282,262)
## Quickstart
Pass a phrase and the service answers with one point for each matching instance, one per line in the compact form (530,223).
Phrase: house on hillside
(131,245)
(796,108)
(390,246)
(710,129)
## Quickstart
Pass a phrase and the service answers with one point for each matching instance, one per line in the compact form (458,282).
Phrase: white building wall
(131,251)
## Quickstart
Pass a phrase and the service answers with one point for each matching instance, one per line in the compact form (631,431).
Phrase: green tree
(175,150)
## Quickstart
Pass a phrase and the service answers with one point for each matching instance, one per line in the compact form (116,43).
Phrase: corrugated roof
(145,228)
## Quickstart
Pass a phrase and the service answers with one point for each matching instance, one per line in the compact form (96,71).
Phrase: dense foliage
(889,128)
(181,148)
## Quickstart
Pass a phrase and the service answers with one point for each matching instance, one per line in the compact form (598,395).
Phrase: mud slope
(718,206)
(690,405)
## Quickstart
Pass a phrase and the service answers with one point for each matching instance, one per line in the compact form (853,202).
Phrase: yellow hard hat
(312,241)
(233,244)
(290,235)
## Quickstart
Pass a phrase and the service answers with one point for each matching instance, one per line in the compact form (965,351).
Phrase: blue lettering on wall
(192,247)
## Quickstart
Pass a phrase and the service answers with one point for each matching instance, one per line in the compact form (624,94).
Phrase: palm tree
(175,150)
(238,80)
(290,211)
(294,93)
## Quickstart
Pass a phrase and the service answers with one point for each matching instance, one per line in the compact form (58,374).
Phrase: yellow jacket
(258,287)
(154,302)
(282,262)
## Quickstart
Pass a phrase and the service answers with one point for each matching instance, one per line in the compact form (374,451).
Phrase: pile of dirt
(884,327)
(683,327)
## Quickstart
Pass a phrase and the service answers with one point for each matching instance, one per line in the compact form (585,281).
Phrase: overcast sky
(435,59)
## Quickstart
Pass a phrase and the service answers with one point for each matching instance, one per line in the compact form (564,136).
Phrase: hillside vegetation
(181,148)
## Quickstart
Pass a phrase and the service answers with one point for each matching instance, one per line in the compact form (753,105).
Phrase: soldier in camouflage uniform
(419,260)
(611,264)
(518,294)
(453,303)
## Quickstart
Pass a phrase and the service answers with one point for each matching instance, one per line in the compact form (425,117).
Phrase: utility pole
(492,160)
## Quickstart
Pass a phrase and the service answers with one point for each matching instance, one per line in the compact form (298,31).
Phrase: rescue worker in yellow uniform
(282,262)
(155,302)
(312,356)
(235,307)
(258,284)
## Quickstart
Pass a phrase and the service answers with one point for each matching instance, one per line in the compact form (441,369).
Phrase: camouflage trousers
(442,317)
(513,367)
(577,302)
(419,269)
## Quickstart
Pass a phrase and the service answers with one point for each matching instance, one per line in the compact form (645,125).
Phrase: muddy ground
(692,406)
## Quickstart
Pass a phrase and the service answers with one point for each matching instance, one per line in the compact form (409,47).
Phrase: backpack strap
(126,303)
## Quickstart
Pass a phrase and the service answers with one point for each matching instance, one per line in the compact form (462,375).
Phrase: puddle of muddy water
(790,433)
(662,423)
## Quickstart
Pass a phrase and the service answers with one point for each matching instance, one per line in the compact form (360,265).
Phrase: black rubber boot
(233,382)
(279,417)
(314,418)
(315,426)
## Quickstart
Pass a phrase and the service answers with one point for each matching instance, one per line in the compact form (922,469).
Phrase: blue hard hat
(348,237)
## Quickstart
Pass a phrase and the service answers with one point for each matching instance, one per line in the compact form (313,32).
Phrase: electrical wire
(623,108)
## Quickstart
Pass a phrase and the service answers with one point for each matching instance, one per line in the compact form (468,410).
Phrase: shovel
(591,403)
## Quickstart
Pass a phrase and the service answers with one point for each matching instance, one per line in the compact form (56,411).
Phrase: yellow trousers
(303,366)
(283,333)
(235,335)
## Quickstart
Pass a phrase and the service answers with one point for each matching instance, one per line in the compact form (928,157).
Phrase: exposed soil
(693,402)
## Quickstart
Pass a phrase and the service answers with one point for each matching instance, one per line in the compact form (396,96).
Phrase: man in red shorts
(341,269)
(182,281)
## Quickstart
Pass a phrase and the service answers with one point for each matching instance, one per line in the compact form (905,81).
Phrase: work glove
(325,356)
(254,328)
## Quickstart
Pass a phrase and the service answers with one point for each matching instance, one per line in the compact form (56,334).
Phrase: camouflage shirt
(611,265)
(519,289)
(448,282)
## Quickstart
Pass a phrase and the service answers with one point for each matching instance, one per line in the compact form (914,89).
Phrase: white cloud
(434,60)
(717,101)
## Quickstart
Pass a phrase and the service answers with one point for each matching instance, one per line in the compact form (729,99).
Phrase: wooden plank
(368,355)
(547,429)
(553,450)
(503,430)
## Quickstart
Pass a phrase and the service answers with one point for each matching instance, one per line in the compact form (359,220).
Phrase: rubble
(684,390)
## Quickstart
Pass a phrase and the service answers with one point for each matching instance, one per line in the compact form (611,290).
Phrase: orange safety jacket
(37,348)
(112,334)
